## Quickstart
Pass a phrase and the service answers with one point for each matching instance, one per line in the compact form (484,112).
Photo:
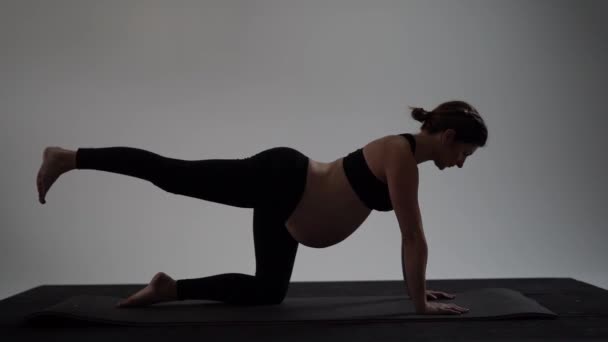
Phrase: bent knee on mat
(272,294)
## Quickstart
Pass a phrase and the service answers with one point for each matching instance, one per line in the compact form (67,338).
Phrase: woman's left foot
(161,289)
(53,166)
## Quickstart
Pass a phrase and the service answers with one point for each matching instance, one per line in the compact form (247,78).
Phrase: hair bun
(419,114)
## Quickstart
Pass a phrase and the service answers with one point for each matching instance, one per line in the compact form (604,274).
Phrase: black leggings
(271,182)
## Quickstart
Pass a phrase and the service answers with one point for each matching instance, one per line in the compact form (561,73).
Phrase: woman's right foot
(54,163)
(162,288)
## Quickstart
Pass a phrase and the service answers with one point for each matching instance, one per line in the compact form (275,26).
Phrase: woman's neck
(426,147)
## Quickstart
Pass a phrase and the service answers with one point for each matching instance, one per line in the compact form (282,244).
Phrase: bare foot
(53,165)
(161,289)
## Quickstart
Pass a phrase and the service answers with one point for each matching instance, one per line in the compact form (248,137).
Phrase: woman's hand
(430,295)
(443,309)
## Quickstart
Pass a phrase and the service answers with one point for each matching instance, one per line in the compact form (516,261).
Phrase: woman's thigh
(285,170)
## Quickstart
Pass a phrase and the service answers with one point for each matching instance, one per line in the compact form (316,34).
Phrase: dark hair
(457,115)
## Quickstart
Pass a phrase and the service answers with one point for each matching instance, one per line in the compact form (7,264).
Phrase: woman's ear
(448,136)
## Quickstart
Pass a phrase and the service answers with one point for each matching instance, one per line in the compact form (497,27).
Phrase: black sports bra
(371,190)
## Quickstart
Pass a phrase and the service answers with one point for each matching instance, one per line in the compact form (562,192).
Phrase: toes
(40,187)
(41,194)
(145,296)
(123,303)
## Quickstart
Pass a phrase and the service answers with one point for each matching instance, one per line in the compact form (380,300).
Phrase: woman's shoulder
(398,149)
(398,141)
(382,152)
(392,142)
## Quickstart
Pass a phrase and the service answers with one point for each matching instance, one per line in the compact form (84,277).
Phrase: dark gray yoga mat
(484,304)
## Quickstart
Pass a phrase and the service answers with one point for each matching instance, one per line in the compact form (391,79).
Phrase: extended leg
(232,182)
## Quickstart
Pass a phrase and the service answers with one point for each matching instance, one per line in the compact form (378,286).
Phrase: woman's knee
(274,298)
(273,293)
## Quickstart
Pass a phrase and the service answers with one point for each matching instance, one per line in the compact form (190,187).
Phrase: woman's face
(454,153)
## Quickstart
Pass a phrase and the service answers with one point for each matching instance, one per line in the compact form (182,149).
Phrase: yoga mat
(484,304)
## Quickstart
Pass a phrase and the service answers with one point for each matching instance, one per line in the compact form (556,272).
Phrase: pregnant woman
(296,200)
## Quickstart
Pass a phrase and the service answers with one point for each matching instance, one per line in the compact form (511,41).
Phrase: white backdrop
(227,79)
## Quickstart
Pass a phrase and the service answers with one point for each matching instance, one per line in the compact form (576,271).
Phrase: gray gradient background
(227,79)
